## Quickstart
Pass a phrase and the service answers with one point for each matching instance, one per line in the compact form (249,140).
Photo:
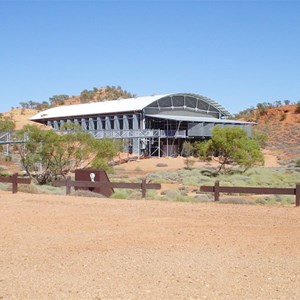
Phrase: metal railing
(140,133)
(8,137)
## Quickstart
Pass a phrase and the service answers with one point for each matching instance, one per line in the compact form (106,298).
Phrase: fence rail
(217,189)
(68,183)
(15,180)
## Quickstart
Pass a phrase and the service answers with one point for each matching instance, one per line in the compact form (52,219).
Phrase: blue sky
(238,53)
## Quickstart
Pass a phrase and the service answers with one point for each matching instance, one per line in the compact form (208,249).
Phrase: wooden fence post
(217,190)
(297,203)
(68,185)
(144,188)
(14,178)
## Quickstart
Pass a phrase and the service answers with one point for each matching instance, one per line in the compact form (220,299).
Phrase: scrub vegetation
(230,146)
(48,155)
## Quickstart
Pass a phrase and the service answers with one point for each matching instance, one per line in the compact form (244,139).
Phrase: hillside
(21,117)
(282,126)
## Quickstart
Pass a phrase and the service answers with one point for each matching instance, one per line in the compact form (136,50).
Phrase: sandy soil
(271,160)
(59,247)
(173,163)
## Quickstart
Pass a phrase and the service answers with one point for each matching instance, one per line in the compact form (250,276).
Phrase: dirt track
(85,248)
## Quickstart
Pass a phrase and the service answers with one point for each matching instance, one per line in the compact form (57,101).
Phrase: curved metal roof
(114,106)
(201,119)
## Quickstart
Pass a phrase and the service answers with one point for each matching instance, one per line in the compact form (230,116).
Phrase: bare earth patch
(58,247)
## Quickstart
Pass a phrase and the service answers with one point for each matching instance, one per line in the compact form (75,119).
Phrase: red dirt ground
(66,247)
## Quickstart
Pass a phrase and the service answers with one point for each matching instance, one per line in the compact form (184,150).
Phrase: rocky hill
(282,126)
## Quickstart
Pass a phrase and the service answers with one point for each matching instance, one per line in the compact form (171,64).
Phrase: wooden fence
(217,189)
(15,180)
(68,183)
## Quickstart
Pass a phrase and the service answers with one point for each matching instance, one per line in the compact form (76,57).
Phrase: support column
(99,123)
(83,124)
(91,124)
(116,123)
(107,123)
(135,141)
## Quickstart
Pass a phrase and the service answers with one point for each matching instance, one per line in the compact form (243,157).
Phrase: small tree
(187,152)
(232,145)
(58,99)
(48,155)
(6,123)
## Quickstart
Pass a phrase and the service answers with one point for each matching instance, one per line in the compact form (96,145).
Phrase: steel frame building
(154,125)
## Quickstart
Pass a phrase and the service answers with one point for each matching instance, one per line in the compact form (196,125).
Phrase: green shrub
(119,176)
(176,195)
(135,195)
(275,200)
(29,188)
(8,158)
(152,195)
(5,186)
(3,170)
(282,117)
(86,193)
(123,193)
(119,168)
(172,194)
(260,201)
(50,189)
(235,200)
(161,165)
(138,169)
(260,137)
(38,189)
(204,198)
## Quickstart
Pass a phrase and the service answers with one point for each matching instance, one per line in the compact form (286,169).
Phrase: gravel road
(58,247)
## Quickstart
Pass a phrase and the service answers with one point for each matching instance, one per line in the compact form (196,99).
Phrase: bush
(234,200)
(5,186)
(3,169)
(135,195)
(161,165)
(260,137)
(275,200)
(29,188)
(138,169)
(189,163)
(8,158)
(172,194)
(176,195)
(260,201)
(87,193)
(122,194)
(204,198)
(282,117)
(38,189)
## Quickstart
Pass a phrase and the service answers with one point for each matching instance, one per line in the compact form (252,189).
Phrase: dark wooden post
(297,194)
(217,190)
(68,185)
(14,179)
(144,188)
